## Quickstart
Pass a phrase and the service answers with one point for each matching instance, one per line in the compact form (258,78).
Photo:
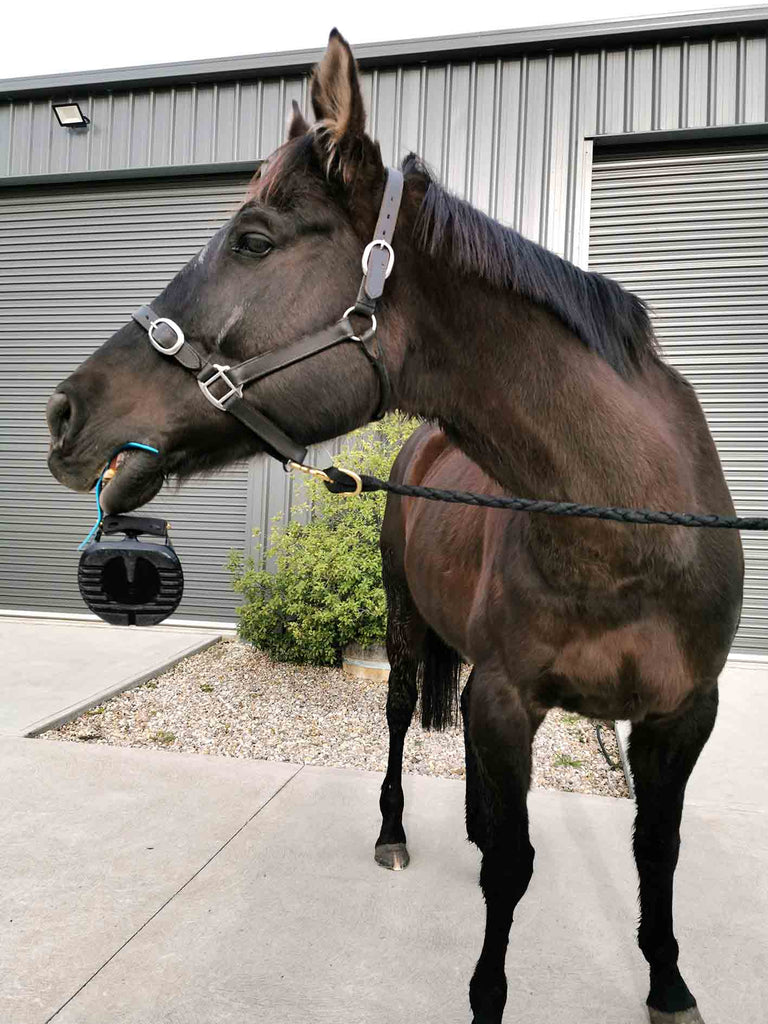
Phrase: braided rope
(340,482)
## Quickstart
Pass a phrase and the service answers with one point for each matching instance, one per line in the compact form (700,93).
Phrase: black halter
(378,258)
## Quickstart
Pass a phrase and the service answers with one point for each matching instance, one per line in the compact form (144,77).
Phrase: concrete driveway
(52,669)
(148,887)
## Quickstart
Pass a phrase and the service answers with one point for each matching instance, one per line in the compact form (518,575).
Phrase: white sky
(40,37)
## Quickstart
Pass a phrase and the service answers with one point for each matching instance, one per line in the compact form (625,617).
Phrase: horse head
(287,264)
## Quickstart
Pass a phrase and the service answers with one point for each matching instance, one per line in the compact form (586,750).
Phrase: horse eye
(256,244)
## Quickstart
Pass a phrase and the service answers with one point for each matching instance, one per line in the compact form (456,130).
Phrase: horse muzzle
(65,418)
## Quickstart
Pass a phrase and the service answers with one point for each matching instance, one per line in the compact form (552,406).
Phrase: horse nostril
(59,416)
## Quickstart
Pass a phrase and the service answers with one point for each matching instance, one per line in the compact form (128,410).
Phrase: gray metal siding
(686,230)
(506,133)
(74,263)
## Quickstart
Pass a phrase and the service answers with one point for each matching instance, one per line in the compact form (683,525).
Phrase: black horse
(547,383)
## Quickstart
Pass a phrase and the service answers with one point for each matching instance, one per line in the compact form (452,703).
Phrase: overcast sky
(42,37)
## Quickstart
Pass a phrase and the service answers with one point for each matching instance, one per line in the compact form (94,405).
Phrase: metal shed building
(637,148)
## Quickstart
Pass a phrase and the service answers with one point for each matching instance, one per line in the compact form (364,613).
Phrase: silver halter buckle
(173,348)
(233,390)
(379,243)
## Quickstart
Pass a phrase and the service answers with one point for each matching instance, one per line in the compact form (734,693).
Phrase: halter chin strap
(223,385)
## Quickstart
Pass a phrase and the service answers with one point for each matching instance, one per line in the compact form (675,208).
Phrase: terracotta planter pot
(365,662)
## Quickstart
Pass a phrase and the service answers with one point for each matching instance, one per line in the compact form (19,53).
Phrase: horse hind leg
(476,812)
(499,733)
(417,658)
(662,754)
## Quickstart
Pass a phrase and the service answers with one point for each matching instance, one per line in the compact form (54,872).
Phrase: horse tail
(439,671)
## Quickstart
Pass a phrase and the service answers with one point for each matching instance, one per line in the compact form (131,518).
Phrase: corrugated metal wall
(685,228)
(74,262)
(504,133)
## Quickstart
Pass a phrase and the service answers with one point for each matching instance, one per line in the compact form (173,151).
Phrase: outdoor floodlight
(69,115)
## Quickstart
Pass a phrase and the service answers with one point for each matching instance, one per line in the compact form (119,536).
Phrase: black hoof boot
(393,856)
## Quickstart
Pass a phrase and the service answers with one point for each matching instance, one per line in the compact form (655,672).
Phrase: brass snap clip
(320,474)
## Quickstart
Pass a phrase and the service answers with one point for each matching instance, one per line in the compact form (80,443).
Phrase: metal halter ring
(379,243)
(362,312)
(174,348)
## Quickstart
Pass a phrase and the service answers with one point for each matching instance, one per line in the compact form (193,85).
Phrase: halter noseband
(167,337)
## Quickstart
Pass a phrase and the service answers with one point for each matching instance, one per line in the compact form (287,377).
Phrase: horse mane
(610,321)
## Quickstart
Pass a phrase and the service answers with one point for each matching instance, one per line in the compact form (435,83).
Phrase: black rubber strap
(133,524)
(263,365)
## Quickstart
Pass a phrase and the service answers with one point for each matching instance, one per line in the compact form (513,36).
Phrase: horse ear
(338,105)
(298,125)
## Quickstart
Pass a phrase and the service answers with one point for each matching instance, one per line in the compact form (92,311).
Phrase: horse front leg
(405,637)
(498,734)
(662,754)
(391,850)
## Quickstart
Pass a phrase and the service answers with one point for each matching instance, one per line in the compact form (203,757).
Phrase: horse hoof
(691,1016)
(393,856)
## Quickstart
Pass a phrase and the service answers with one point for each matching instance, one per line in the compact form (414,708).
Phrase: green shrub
(325,590)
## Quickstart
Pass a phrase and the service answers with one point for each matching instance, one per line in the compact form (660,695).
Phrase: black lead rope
(342,481)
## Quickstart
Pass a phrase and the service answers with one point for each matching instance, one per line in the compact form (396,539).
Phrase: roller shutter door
(74,262)
(686,230)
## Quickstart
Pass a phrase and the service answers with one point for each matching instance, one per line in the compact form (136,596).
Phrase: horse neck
(527,401)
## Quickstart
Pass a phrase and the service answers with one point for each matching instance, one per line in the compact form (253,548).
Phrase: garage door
(74,262)
(686,230)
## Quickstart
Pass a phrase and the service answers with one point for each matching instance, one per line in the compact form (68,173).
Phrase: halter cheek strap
(223,385)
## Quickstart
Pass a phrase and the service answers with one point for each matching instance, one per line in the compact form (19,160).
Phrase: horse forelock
(281,175)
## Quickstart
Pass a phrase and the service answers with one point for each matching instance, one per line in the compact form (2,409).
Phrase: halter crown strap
(379,256)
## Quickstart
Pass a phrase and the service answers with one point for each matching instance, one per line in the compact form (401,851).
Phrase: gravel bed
(232,700)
